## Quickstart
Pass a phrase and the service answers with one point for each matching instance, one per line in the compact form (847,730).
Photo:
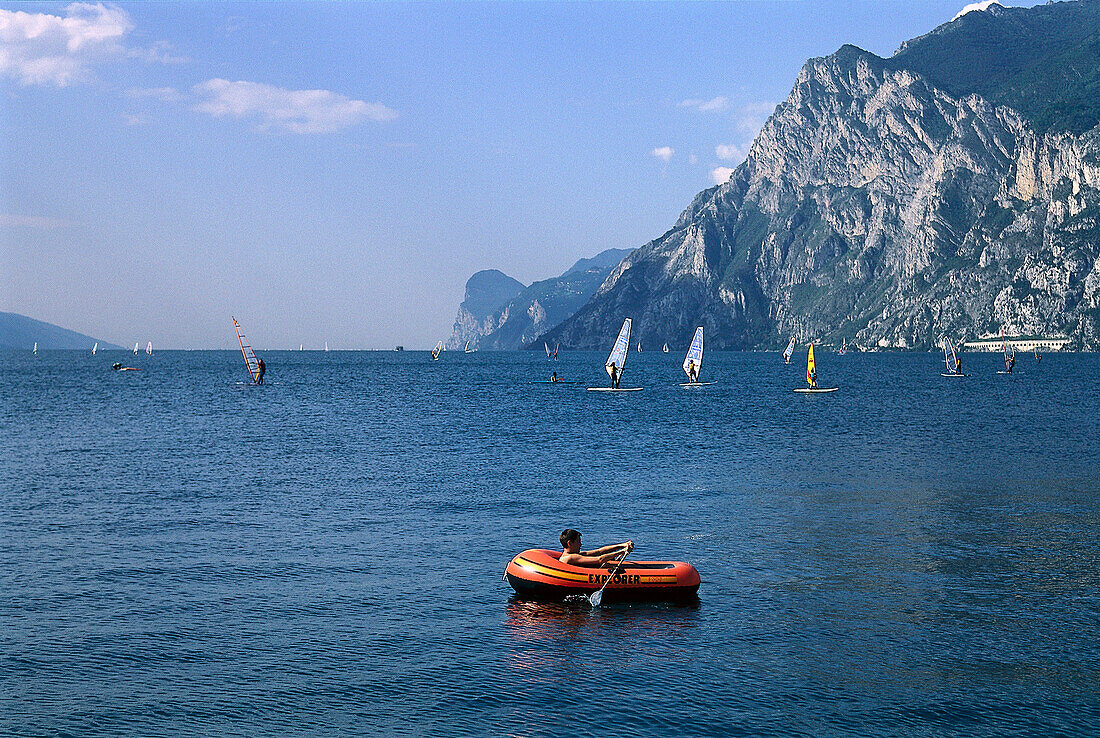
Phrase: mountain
(510,316)
(953,188)
(21,332)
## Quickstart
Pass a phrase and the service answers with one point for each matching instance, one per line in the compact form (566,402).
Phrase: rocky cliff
(499,313)
(892,201)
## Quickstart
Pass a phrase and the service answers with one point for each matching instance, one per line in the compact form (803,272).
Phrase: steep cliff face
(507,315)
(877,206)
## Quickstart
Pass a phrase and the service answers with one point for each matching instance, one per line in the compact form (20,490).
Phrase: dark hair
(568,535)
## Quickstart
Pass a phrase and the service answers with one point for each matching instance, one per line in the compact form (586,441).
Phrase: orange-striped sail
(249,354)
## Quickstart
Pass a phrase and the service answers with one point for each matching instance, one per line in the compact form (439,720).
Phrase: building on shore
(1019,343)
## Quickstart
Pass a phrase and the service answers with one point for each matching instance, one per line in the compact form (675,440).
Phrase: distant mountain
(952,189)
(21,332)
(500,314)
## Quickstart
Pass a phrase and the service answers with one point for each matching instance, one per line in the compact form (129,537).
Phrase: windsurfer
(1011,362)
(261,369)
(958,365)
(572,554)
(813,378)
(693,372)
(616,375)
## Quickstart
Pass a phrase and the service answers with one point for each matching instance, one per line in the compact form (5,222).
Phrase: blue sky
(335,172)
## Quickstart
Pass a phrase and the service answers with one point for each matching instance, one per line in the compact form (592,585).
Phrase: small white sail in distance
(789,351)
(35,349)
(136,347)
(694,357)
(949,355)
(437,350)
(95,348)
(617,357)
(149,348)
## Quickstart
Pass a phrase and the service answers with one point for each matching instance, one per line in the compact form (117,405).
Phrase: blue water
(184,554)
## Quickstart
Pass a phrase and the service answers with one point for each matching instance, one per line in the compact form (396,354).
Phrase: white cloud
(714,105)
(720,175)
(728,152)
(664,153)
(984,5)
(279,109)
(40,49)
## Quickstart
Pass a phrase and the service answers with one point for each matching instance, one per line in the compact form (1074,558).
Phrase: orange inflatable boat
(537,574)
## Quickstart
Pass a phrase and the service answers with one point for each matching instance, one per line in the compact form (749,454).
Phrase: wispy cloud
(163,94)
(731,152)
(664,153)
(31,221)
(282,110)
(45,49)
(714,105)
(720,175)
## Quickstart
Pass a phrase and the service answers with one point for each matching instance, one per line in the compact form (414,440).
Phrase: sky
(335,172)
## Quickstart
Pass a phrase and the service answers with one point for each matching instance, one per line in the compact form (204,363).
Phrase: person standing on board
(616,375)
(261,368)
(958,365)
(813,378)
(572,554)
(693,372)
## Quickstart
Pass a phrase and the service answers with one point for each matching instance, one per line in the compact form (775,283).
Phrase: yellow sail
(811,368)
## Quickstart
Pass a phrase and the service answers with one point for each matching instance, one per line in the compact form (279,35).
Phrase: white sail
(95,347)
(665,348)
(788,352)
(694,358)
(617,357)
(300,346)
(35,349)
(949,357)
(135,348)
(437,350)
(547,347)
(326,345)
(149,348)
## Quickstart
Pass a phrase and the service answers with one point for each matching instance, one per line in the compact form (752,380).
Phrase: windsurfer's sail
(35,349)
(556,347)
(547,347)
(135,348)
(950,359)
(693,362)
(249,355)
(1010,358)
(788,352)
(437,350)
(617,357)
(811,368)
(95,348)
(149,348)
(664,348)
(466,349)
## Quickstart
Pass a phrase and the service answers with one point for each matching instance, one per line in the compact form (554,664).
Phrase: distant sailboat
(556,347)
(843,347)
(811,376)
(95,348)
(467,350)
(135,348)
(1038,358)
(300,346)
(693,361)
(951,360)
(639,347)
(547,347)
(437,350)
(250,360)
(34,350)
(664,349)
(149,348)
(788,352)
(326,345)
(616,360)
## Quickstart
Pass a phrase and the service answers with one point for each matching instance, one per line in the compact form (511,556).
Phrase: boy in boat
(572,554)
(261,368)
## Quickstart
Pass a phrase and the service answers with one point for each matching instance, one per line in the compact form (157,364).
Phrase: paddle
(597,597)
